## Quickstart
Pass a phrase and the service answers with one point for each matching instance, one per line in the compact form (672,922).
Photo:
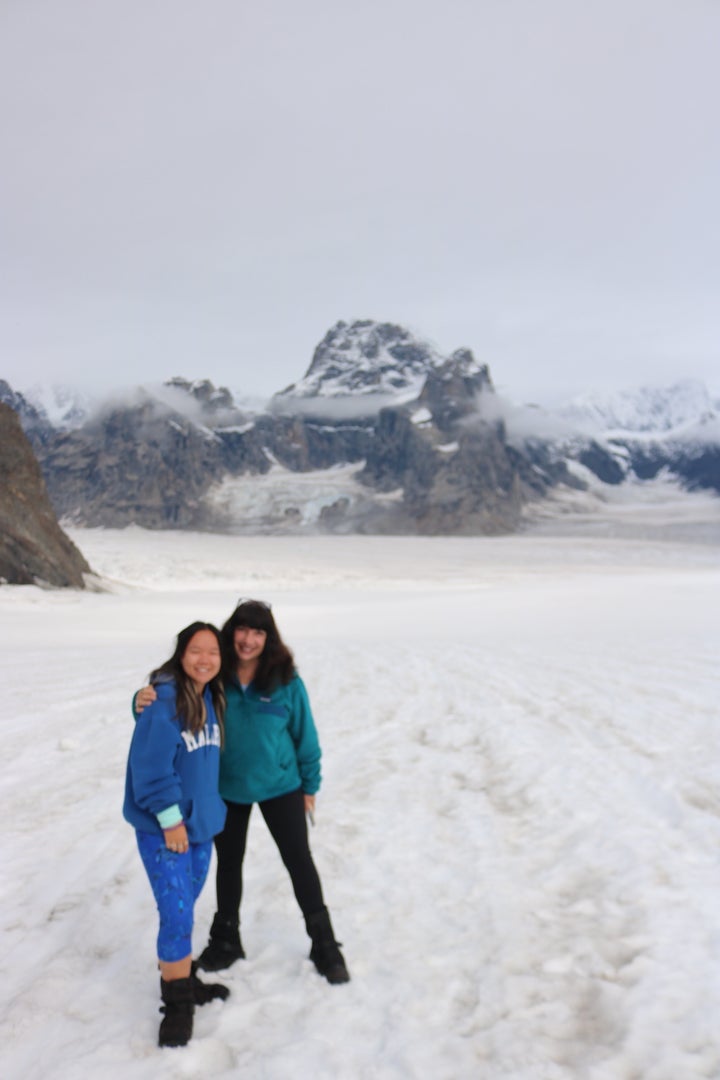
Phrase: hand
(145,697)
(176,839)
(309,804)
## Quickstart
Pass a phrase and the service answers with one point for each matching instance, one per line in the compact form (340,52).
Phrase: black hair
(276,665)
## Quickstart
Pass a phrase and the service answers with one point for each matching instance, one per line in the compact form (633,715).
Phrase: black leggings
(285,818)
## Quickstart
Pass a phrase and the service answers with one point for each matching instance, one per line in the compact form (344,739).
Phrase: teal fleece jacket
(271,743)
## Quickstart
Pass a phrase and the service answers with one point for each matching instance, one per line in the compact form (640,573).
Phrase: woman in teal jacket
(271,757)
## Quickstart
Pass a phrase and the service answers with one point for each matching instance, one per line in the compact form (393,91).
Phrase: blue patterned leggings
(176,880)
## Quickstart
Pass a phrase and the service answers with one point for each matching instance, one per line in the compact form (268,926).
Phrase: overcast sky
(203,187)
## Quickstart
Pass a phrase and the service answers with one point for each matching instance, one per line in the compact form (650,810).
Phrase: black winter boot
(224,946)
(204,992)
(325,952)
(177,1024)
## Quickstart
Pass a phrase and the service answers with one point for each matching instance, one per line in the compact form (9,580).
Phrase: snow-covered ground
(518,831)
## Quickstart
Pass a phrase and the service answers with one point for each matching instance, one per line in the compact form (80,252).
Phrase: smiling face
(248,644)
(201,659)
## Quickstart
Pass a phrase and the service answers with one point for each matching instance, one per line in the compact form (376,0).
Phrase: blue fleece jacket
(271,743)
(168,765)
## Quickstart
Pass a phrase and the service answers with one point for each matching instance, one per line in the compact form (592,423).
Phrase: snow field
(518,830)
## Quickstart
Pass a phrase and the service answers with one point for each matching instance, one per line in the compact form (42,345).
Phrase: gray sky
(203,187)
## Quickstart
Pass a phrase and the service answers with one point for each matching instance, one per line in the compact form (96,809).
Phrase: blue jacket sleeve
(305,737)
(156,740)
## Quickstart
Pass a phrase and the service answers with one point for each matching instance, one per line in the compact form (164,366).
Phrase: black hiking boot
(224,946)
(204,992)
(325,952)
(179,1005)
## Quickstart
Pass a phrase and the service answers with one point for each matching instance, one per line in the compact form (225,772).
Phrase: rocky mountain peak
(366,357)
(451,391)
(204,392)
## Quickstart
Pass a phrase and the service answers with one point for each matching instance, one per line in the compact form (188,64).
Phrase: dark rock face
(451,392)
(478,489)
(145,464)
(543,466)
(699,468)
(457,472)
(301,443)
(33,547)
(602,463)
(696,464)
(399,454)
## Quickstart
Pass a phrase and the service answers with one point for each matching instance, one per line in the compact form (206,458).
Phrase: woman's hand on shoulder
(145,697)
(176,839)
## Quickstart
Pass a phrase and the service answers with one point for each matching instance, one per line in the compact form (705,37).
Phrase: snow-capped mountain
(419,442)
(647,409)
(638,433)
(366,358)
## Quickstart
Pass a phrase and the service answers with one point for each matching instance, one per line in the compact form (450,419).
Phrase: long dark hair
(190,705)
(276,665)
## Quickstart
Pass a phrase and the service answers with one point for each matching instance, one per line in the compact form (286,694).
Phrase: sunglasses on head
(248,600)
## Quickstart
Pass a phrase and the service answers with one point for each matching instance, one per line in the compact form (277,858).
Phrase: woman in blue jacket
(172,801)
(271,756)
